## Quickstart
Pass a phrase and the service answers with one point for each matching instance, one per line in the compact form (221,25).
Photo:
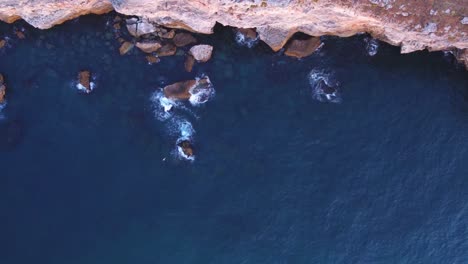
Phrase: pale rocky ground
(413,25)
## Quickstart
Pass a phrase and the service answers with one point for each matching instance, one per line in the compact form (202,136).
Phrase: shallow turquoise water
(279,177)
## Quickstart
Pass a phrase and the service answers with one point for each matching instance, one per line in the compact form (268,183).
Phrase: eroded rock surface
(413,25)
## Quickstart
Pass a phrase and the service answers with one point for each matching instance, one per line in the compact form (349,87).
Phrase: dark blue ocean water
(279,177)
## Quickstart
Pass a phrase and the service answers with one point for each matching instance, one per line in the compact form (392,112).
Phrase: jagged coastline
(416,25)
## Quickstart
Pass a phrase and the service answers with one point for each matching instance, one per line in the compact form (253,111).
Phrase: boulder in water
(179,90)
(126,47)
(167,35)
(19,34)
(2,43)
(183,39)
(302,48)
(84,81)
(201,53)
(167,50)
(186,148)
(148,47)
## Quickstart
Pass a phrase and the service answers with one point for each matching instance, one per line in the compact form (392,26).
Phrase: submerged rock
(201,53)
(151,59)
(148,47)
(2,90)
(19,34)
(183,39)
(185,148)
(302,48)
(84,81)
(189,62)
(2,43)
(126,47)
(167,50)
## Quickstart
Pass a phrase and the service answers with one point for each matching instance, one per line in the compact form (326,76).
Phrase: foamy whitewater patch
(201,92)
(2,106)
(185,132)
(372,46)
(162,105)
(324,86)
(242,40)
(83,89)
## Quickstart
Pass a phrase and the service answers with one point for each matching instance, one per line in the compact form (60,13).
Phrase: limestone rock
(167,50)
(302,48)
(125,47)
(183,39)
(201,53)
(148,47)
(137,27)
(189,62)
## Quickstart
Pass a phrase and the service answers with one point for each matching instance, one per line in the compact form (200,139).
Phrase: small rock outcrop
(126,47)
(84,81)
(186,147)
(138,27)
(148,47)
(201,53)
(189,62)
(180,90)
(302,48)
(2,43)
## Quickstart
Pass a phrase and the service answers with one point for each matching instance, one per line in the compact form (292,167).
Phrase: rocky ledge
(413,25)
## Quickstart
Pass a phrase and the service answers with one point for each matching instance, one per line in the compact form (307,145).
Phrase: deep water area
(280,175)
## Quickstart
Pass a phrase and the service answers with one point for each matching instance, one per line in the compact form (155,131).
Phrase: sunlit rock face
(413,25)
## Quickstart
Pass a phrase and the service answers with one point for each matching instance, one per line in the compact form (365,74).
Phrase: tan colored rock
(126,47)
(201,53)
(183,39)
(151,59)
(189,62)
(302,48)
(167,50)
(179,90)
(148,47)
(2,43)
(84,81)
(167,35)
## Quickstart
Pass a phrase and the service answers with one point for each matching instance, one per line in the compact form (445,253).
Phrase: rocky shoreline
(416,25)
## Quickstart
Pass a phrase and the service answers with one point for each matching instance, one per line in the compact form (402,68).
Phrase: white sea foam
(372,46)
(242,40)
(324,86)
(162,106)
(201,94)
(80,87)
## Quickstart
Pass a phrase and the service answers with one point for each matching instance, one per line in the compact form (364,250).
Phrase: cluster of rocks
(157,41)
(2,90)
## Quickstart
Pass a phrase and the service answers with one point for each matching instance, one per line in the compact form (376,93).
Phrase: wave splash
(243,40)
(325,88)
(372,46)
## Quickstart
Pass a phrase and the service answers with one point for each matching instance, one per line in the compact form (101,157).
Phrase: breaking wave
(372,46)
(325,88)
(242,40)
